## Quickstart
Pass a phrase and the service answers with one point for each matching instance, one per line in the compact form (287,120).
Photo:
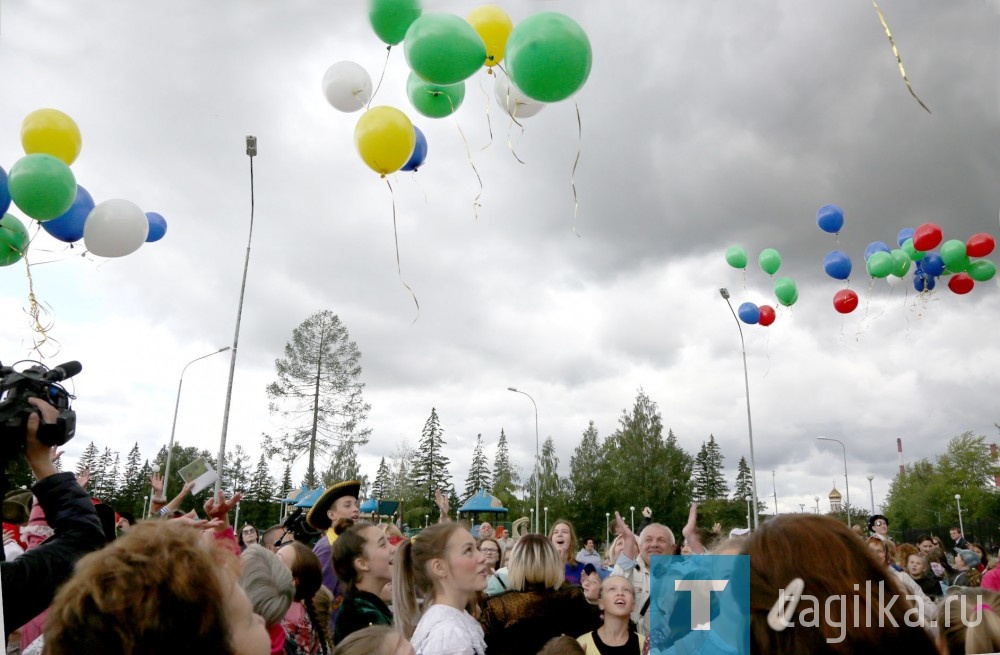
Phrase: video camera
(297,526)
(34,382)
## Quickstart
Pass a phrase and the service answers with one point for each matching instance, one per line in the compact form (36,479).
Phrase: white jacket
(444,630)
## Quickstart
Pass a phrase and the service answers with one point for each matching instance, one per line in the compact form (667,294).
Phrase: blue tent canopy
(380,507)
(295,495)
(309,499)
(369,506)
(483,502)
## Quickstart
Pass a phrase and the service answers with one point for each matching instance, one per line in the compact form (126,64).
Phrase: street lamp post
(871,490)
(746,381)
(536,512)
(251,142)
(748,513)
(816,498)
(177,406)
(958,501)
(607,528)
(802,508)
(847,483)
(145,505)
(774,486)
(532,510)
(427,518)
(546,520)
(631,509)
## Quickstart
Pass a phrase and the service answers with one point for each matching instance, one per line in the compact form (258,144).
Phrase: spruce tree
(584,469)
(382,480)
(505,478)
(479,472)
(430,471)
(744,488)
(708,476)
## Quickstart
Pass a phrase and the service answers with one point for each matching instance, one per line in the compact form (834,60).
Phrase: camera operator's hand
(39,455)
(83,477)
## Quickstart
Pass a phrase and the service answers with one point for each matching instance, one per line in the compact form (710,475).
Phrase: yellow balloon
(493,26)
(384,138)
(51,132)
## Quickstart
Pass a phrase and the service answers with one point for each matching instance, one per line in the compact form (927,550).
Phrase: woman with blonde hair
(375,640)
(968,622)
(539,606)
(443,565)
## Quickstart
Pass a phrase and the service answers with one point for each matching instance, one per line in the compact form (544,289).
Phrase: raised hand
(218,507)
(83,477)
(156,482)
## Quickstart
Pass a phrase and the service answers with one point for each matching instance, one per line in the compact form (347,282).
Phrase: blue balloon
(4,193)
(157,227)
(904,234)
(830,218)
(922,282)
(419,152)
(749,313)
(837,265)
(874,247)
(933,264)
(68,227)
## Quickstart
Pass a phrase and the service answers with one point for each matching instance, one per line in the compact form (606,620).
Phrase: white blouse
(444,630)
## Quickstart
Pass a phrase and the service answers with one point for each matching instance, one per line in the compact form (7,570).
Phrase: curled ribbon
(899,60)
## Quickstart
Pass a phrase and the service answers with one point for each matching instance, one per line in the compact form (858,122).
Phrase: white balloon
(115,228)
(896,282)
(513,100)
(347,86)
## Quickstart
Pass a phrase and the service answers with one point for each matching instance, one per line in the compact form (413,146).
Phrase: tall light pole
(427,518)
(774,486)
(145,506)
(631,508)
(251,152)
(816,498)
(871,490)
(607,528)
(802,508)
(546,520)
(746,381)
(958,501)
(847,482)
(177,405)
(533,515)
(536,512)
(748,513)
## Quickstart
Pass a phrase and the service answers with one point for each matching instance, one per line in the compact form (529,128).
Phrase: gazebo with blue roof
(482,503)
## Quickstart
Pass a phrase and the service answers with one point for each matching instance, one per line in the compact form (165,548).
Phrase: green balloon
(952,252)
(880,264)
(900,262)
(961,265)
(434,100)
(982,270)
(548,56)
(42,186)
(443,49)
(769,260)
(736,257)
(914,254)
(391,18)
(13,240)
(785,291)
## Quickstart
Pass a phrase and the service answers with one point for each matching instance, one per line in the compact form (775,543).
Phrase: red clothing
(992,579)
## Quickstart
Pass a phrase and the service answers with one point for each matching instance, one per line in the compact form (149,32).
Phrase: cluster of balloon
(785,289)
(548,57)
(837,263)
(42,186)
(916,251)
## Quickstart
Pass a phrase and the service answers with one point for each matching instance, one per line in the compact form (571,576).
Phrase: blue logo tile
(700,603)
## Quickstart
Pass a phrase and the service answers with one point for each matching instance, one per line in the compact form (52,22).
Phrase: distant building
(835,500)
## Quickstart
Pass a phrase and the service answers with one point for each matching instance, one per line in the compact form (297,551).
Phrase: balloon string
(468,153)
(579,149)
(513,116)
(388,51)
(489,122)
(899,60)
(35,311)
(395,235)
(420,186)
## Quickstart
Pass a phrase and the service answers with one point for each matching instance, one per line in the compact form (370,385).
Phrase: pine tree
(257,505)
(134,483)
(505,478)
(709,480)
(344,466)
(89,460)
(479,472)
(113,483)
(584,468)
(236,473)
(743,489)
(382,481)
(430,471)
(286,481)
(101,483)
(319,392)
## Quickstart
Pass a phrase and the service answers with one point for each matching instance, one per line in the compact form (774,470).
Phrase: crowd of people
(188,582)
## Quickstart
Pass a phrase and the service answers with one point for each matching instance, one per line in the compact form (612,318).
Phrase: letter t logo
(701,603)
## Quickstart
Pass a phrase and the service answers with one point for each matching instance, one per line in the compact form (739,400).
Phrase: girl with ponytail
(301,622)
(445,567)
(362,559)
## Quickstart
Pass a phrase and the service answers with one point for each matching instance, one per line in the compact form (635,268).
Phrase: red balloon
(979,245)
(961,283)
(845,301)
(927,237)
(766,315)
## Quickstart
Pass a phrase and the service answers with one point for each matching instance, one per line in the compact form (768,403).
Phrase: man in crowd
(633,563)
(589,555)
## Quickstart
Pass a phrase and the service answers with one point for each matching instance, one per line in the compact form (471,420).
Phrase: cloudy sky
(703,125)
